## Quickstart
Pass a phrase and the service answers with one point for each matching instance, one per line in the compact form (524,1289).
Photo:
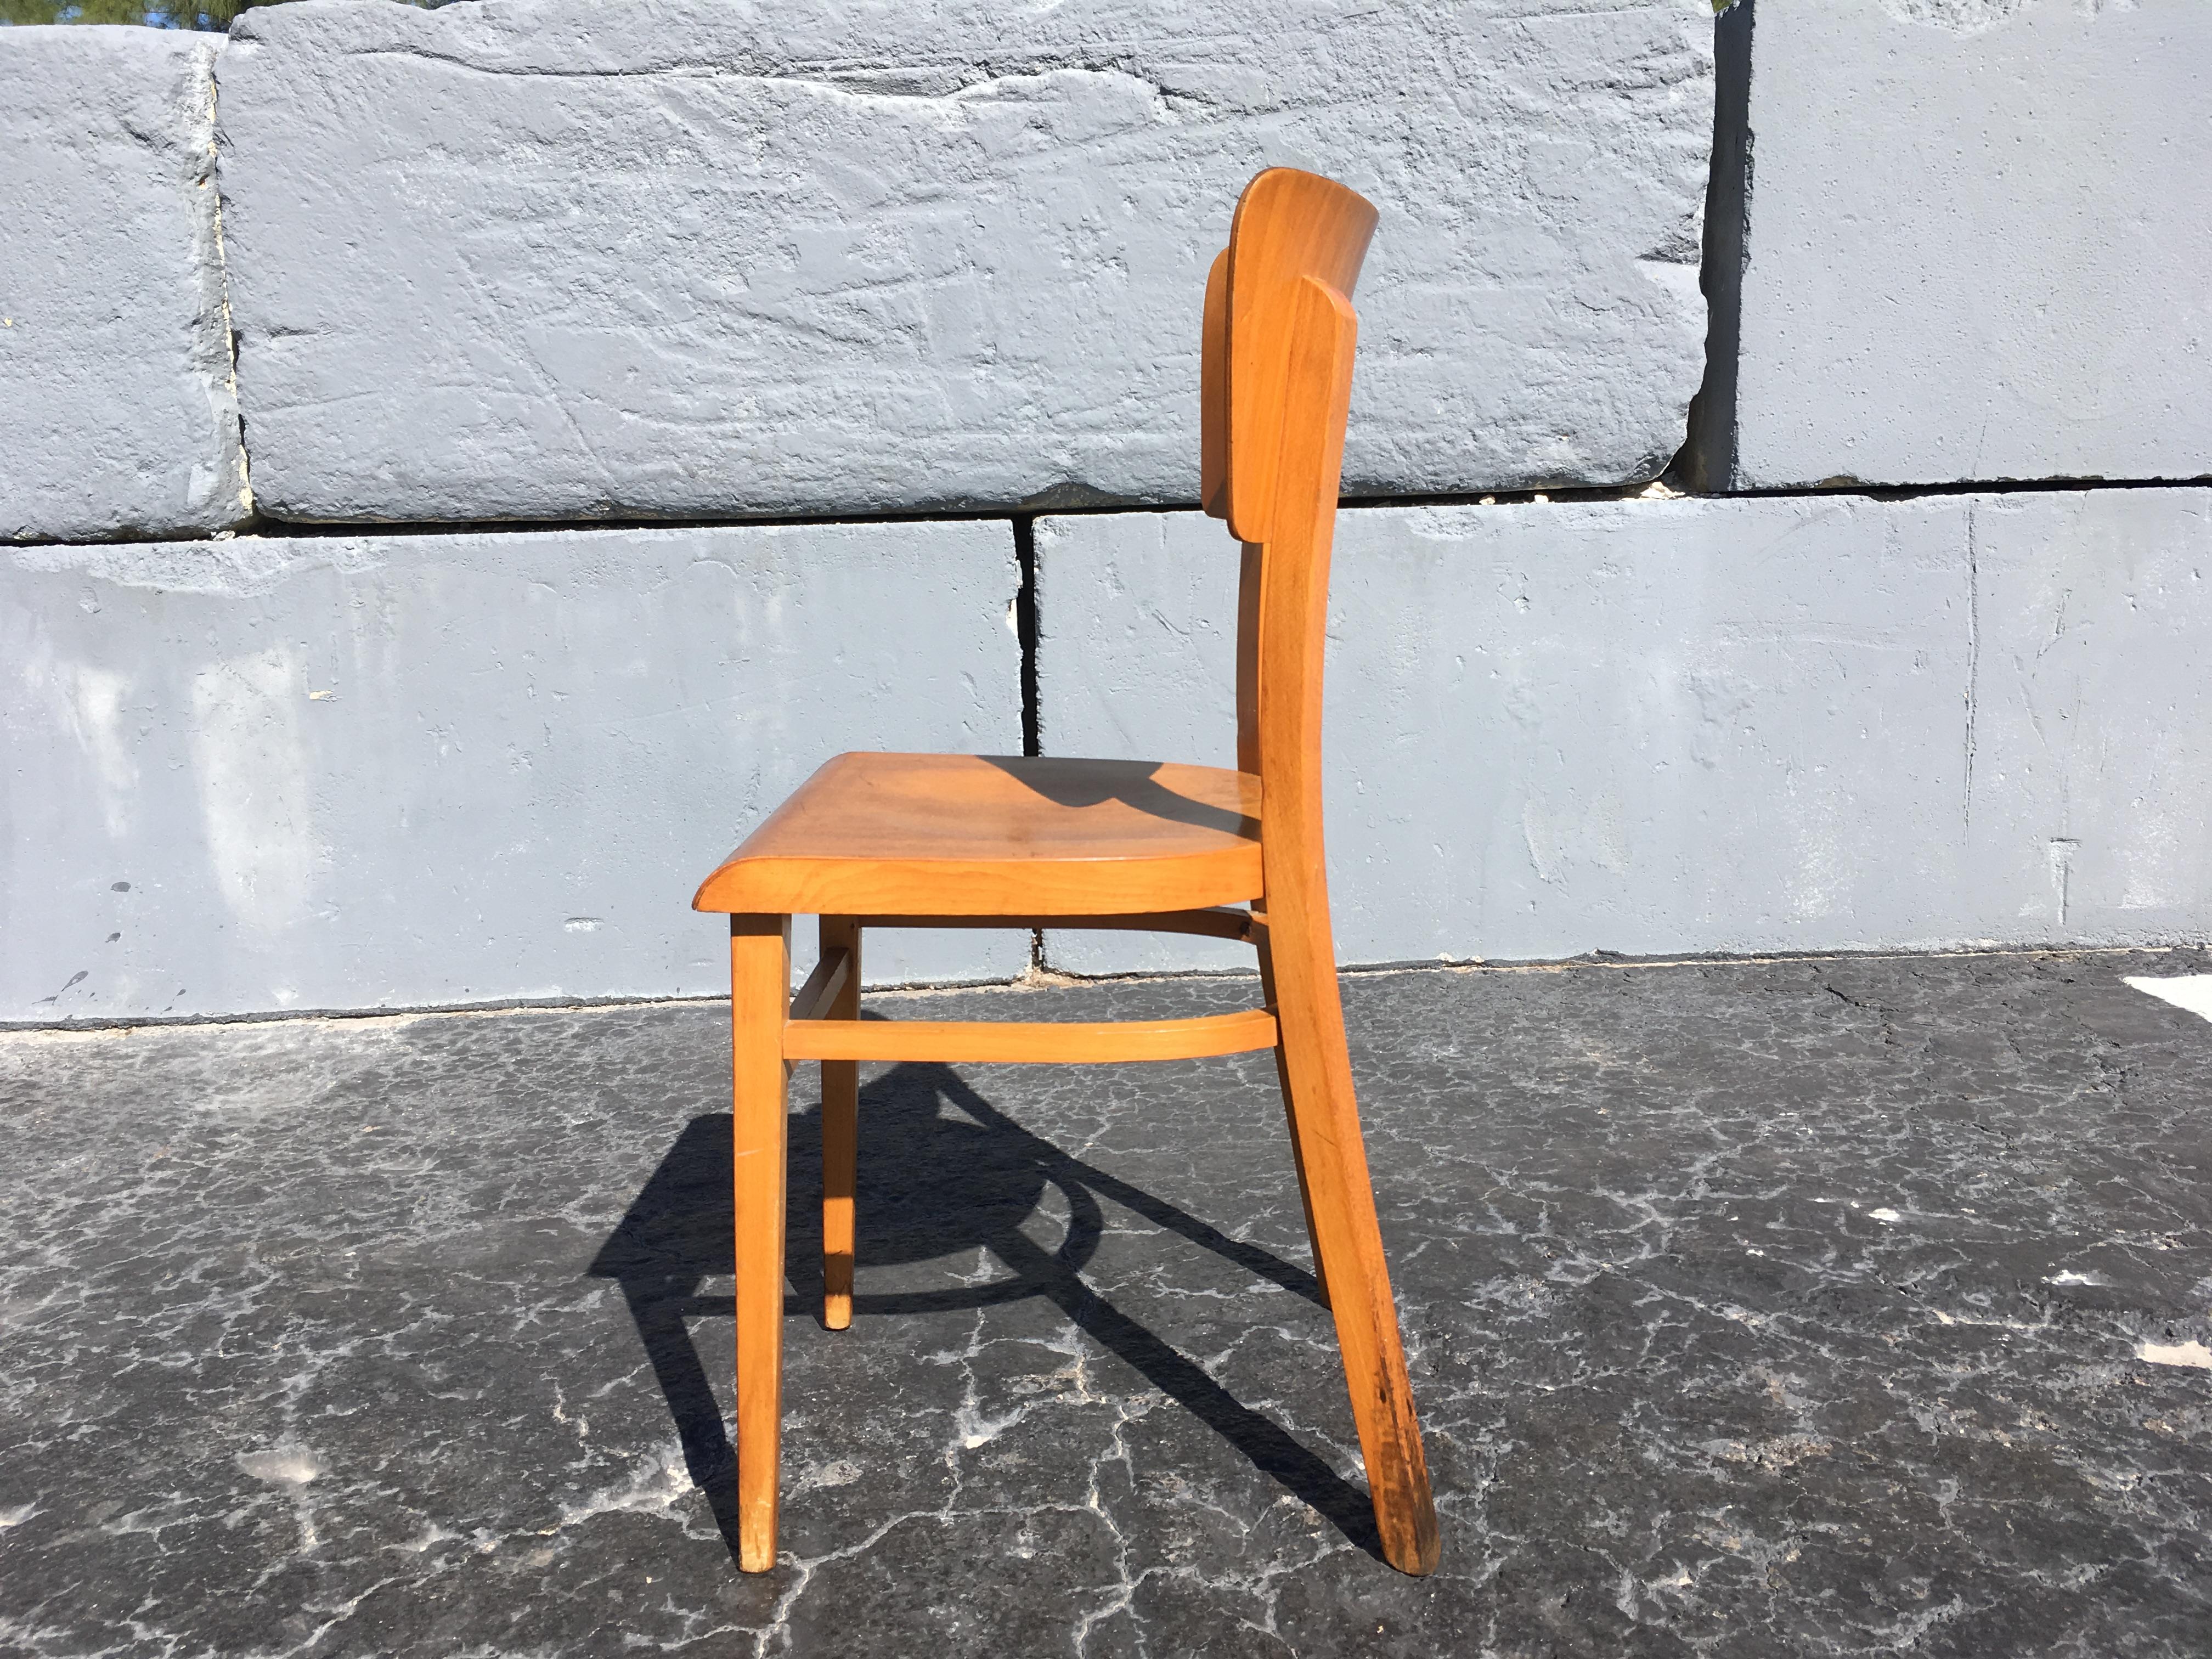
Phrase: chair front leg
(840,1134)
(760,992)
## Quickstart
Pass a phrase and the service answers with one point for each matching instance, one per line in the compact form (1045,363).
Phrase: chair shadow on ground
(932,1185)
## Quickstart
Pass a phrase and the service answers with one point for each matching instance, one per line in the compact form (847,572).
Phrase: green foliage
(160,14)
(214,15)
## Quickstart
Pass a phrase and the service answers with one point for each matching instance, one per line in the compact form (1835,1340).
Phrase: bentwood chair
(934,840)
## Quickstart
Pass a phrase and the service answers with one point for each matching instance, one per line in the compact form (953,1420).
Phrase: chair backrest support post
(1279,339)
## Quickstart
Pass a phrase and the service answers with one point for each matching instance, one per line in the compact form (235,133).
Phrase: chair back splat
(906,841)
(1275,384)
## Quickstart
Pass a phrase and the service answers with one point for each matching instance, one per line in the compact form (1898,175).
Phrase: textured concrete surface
(2088,769)
(400,770)
(1669,727)
(546,258)
(1800,1307)
(1976,237)
(116,414)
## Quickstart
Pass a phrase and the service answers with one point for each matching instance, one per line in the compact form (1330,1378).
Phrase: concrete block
(1975,244)
(1658,727)
(2089,772)
(117,417)
(546,258)
(398,771)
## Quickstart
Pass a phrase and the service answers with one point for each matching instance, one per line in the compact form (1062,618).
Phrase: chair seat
(992,834)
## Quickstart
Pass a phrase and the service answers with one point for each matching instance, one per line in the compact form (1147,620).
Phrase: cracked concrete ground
(1801,1307)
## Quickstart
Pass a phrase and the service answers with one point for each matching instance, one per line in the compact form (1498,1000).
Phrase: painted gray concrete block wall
(117,415)
(405,771)
(1824,723)
(2089,772)
(1977,240)
(543,258)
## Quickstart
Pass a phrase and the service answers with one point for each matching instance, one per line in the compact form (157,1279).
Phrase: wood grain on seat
(987,835)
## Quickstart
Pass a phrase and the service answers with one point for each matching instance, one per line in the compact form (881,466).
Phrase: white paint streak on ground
(282,1466)
(2190,992)
(2176,1353)
(655,1486)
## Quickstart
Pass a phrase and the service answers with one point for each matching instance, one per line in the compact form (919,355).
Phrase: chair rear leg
(1298,1148)
(841,1136)
(760,991)
(1317,1076)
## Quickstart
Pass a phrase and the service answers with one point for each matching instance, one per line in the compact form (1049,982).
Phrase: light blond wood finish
(1213,394)
(960,841)
(760,978)
(1321,332)
(1291,1121)
(841,1125)
(1218,923)
(1290,227)
(1251,567)
(829,977)
(1008,1042)
(995,835)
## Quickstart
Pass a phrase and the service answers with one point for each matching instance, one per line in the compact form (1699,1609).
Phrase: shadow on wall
(932,1187)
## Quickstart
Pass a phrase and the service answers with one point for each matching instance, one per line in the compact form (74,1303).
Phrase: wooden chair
(934,840)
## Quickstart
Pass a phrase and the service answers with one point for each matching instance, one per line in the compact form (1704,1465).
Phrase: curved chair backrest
(1276,384)
(1289,226)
